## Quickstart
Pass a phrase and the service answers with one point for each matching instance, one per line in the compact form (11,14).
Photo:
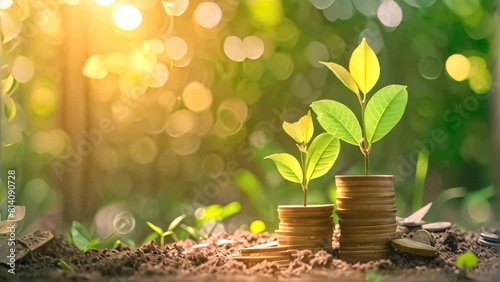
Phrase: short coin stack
(308,227)
(489,239)
(367,217)
(266,252)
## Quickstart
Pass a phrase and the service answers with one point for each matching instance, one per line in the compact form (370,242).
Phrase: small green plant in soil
(85,239)
(378,116)
(158,231)
(315,160)
(466,261)
(210,217)
(64,265)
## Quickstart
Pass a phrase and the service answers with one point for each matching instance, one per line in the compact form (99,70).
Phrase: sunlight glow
(5,4)
(208,14)
(458,67)
(127,17)
(104,3)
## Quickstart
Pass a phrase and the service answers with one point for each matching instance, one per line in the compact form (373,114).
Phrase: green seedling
(373,276)
(466,262)
(84,239)
(378,116)
(217,213)
(158,231)
(64,265)
(315,160)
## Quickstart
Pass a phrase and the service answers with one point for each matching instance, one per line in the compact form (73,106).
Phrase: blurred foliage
(195,97)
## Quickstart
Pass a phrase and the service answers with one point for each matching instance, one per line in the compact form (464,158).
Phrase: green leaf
(64,265)
(306,127)
(155,228)
(230,210)
(338,120)
(323,153)
(344,76)
(166,233)
(108,243)
(193,232)
(9,108)
(79,235)
(90,245)
(302,130)
(293,130)
(384,110)
(176,222)
(467,260)
(288,166)
(150,238)
(364,67)
(9,85)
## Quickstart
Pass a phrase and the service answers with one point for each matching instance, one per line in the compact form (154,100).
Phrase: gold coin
(365,207)
(252,250)
(304,233)
(294,208)
(305,228)
(366,221)
(344,213)
(363,228)
(305,213)
(351,232)
(363,246)
(382,238)
(365,201)
(306,221)
(371,194)
(364,180)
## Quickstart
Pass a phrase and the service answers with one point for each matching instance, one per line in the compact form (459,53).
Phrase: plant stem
(303,159)
(365,141)
(162,240)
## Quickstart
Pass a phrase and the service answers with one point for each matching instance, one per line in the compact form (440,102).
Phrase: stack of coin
(265,252)
(309,227)
(489,239)
(367,217)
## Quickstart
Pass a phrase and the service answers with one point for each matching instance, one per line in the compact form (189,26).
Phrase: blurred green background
(122,112)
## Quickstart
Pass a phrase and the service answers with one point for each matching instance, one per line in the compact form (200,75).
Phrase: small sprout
(373,276)
(316,159)
(64,265)
(258,226)
(84,240)
(467,260)
(158,231)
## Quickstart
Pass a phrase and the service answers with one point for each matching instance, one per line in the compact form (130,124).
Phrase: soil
(181,261)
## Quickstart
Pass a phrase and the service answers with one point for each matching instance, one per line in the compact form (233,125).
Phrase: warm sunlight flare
(127,17)
(105,3)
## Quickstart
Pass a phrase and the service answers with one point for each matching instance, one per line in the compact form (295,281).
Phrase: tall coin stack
(308,227)
(367,216)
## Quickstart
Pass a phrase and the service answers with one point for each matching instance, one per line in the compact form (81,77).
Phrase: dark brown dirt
(181,262)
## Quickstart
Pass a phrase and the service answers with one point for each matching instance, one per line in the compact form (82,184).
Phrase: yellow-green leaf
(323,153)
(384,110)
(155,228)
(176,222)
(306,126)
(467,260)
(338,120)
(293,130)
(364,67)
(344,76)
(288,166)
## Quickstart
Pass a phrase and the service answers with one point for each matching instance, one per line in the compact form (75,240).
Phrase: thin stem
(162,240)
(303,160)
(365,152)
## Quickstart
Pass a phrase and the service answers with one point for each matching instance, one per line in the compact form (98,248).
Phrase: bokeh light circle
(389,13)
(458,67)
(23,69)
(175,7)
(197,97)
(254,47)
(208,14)
(143,151)
(176,48)
(124,222)
(430,67)
(234,49)
(105,3)
(5,4)
(316,52)
(127,17)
